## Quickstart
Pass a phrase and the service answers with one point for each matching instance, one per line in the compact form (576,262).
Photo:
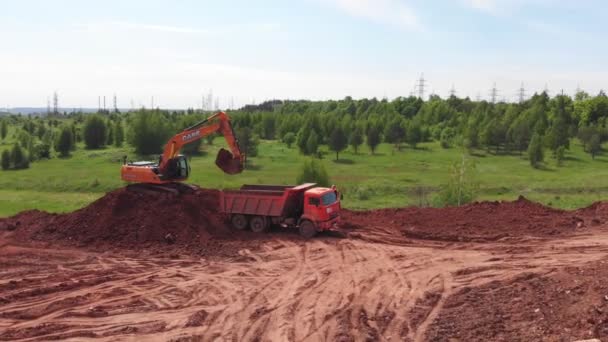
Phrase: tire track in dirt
(289,289)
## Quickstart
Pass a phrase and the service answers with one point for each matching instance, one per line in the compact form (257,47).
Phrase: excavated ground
(142,267)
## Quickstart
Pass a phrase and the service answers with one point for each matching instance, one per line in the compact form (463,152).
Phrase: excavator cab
(177,168)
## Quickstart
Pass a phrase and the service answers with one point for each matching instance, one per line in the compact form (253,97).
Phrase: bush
(149,132)
(313,171)
(95,132)
(65,142)
(18,158)
(43,150)
(6,160)
(289,139)
(461,187)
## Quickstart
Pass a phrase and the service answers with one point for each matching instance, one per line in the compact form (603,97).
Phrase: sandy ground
(369,285)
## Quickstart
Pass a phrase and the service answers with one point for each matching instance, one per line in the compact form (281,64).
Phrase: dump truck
(307,207)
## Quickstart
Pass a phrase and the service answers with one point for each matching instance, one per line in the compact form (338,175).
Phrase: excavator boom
(173,167)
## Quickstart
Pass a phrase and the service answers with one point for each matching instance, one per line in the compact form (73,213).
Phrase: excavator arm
(173,167)
(230,162)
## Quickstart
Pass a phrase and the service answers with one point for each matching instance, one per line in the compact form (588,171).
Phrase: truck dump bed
(263,200)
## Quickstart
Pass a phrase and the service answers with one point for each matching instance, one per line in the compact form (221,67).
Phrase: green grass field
(386,179)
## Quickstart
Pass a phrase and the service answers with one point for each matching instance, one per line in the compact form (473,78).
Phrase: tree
(149,132)
(64,141)
(110,137)
(247,141)
(312,144)
(338,140)
(413,134)
(313,171)
(3,129)
(447,137)
(95,132)
(535,150)
(6,160)
(594,145)
(394,132)
(373,138)
(356,139)
(289,138)
(18,157)
(119,134)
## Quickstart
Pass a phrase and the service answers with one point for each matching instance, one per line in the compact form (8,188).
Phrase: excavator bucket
(226,161)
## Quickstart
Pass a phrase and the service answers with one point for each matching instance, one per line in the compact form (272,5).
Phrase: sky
(248,51)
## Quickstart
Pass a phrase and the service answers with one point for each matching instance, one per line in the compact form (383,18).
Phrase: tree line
(542,123)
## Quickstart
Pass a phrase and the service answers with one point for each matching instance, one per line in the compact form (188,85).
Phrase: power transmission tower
(48,106)
(453,91)
(98,103)
(478,97)
(104,103)
(421,84)
(546,90)
(115,104)
(493,94)
(522,93)
(55,104)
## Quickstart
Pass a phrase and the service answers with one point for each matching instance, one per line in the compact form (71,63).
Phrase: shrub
(289,139)
(461,187)
(95,132)
(18,157)
(65,141)
(313,171)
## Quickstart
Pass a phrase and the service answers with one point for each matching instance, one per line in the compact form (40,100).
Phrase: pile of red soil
(127,219)
(485,221)
(569,304)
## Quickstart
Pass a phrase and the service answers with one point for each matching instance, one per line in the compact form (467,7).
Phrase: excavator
(172,168)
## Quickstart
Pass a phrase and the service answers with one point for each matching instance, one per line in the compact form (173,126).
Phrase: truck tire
(307,229)
(258,224)
(239,222)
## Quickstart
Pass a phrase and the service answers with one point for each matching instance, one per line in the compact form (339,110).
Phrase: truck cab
(322,206)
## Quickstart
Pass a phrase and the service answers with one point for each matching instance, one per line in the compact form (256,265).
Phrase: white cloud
(392,12)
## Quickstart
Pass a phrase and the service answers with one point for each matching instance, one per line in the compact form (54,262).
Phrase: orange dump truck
(308,207)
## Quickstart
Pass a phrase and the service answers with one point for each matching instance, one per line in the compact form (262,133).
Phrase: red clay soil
(565,305)
(132,220)
(481,221)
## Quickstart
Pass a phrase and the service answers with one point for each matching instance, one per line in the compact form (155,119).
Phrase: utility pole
(493,94)
(522,93)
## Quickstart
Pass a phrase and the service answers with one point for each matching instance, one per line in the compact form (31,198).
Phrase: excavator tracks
(166,188)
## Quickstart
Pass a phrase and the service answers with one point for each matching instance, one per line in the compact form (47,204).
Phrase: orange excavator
(173,168)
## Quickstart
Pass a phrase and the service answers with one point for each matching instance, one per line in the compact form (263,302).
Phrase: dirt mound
(128,219)
(567,305)
(481,221)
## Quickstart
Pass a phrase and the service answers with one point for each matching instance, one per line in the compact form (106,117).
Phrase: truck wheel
(258,224)
(307,229)
(239,221)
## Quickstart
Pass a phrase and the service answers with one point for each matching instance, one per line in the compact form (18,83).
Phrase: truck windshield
(329,198)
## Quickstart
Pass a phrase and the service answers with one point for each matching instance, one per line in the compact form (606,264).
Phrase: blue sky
(247,51)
